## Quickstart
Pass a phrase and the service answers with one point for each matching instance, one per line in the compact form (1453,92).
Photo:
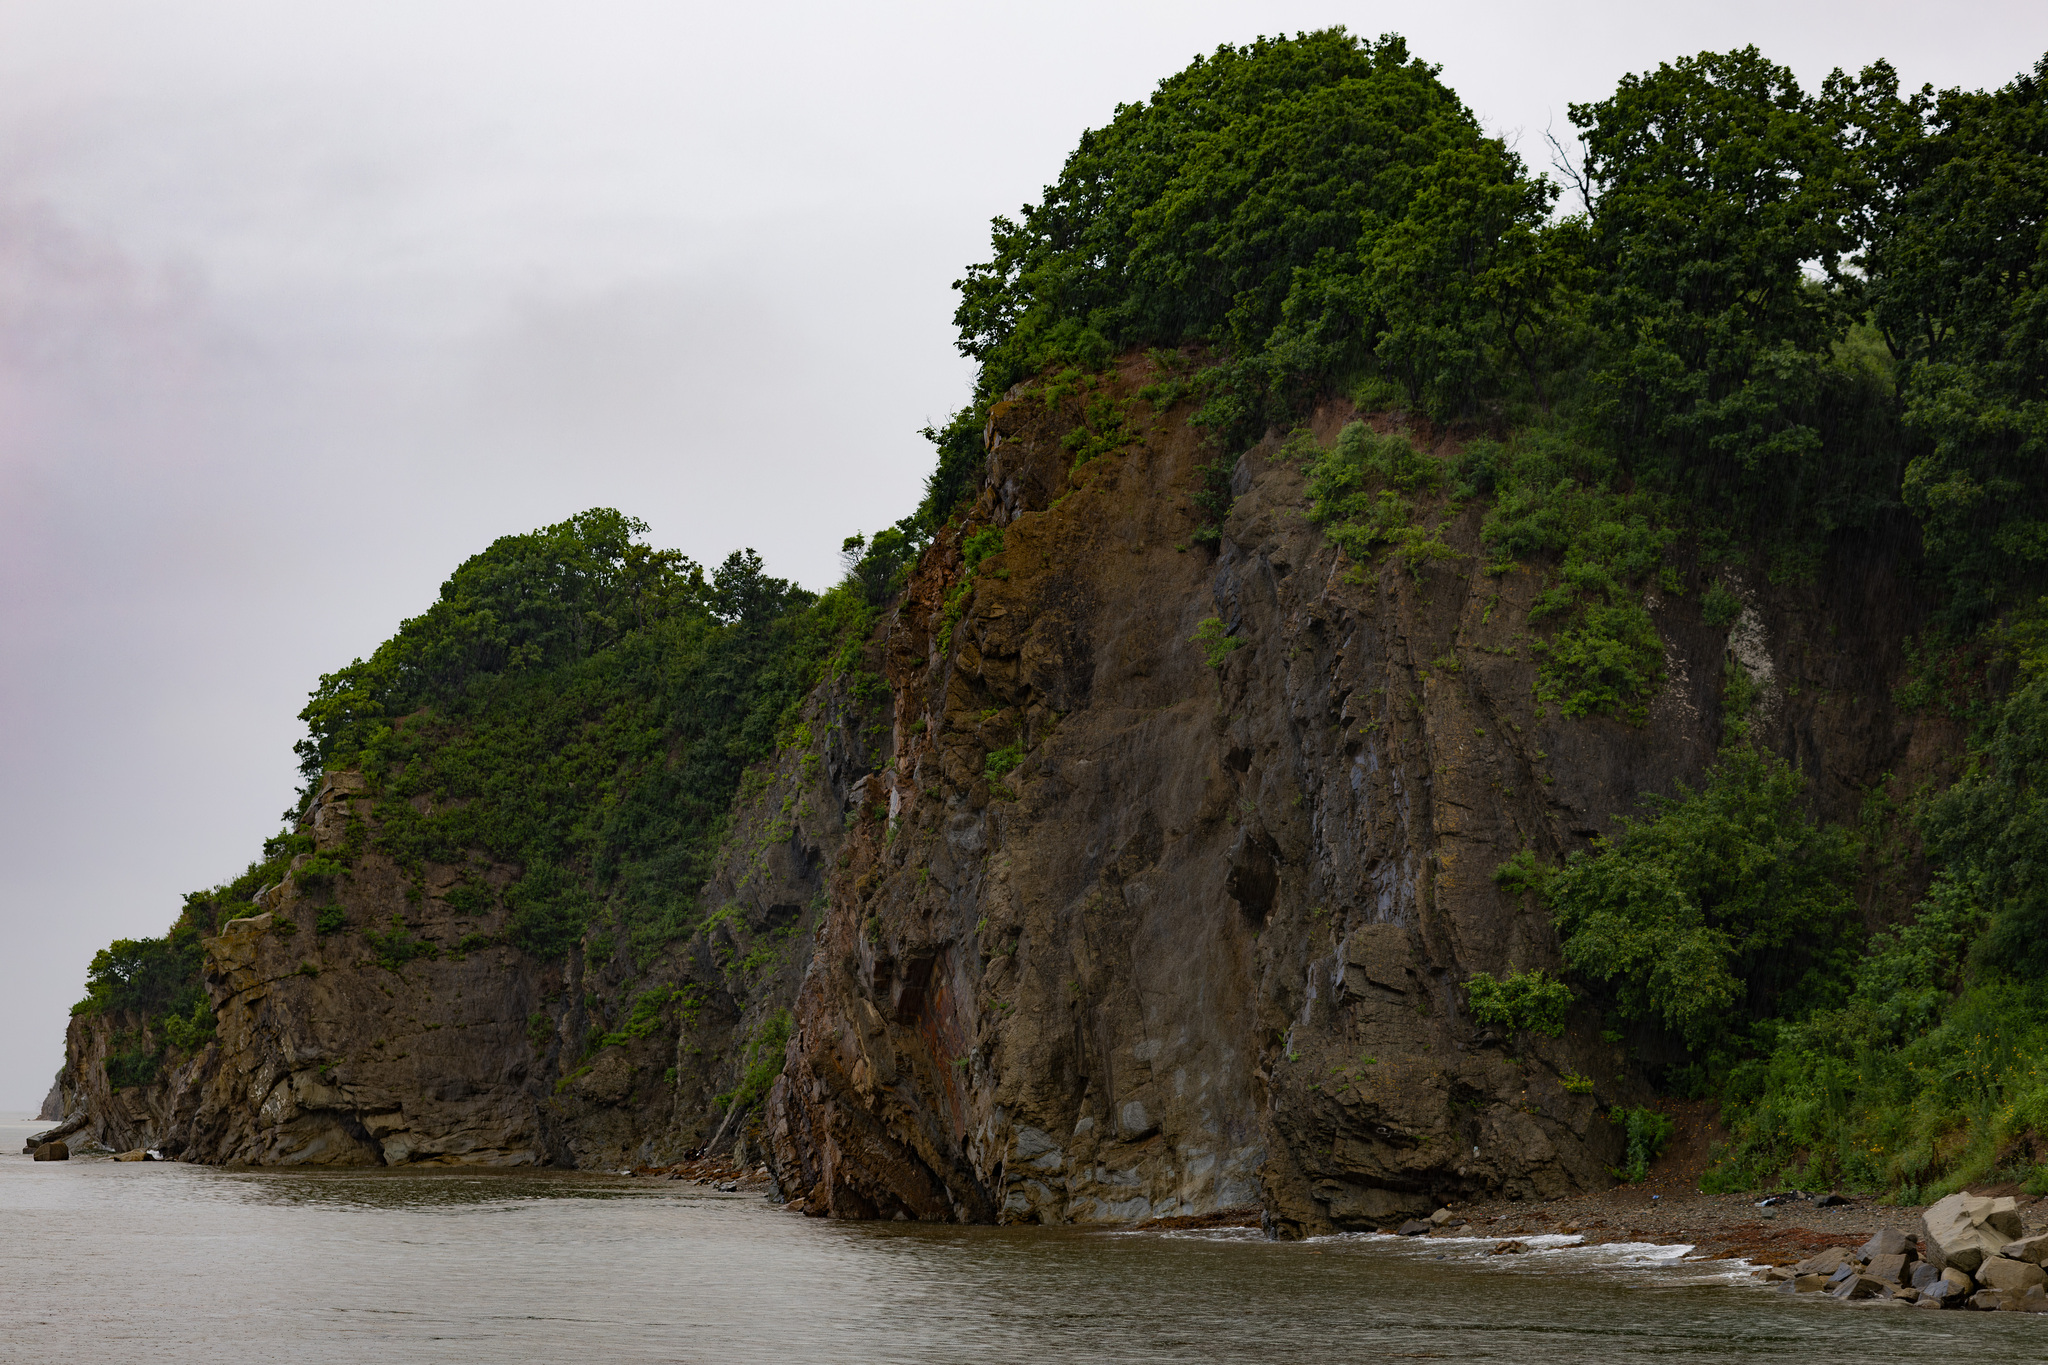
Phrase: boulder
(1923,1274)
(1825,1262)
(1939,1293)
(2034,1299)
(1510,1248)
(1809,1284)
(2030,1249)
(1888,1242)
(1963,1229)
(1906,1294)
(1987,1300)
(53,1151)
(1844,1273)
(1415,1227)
(139,1154)
(2011,1276)
(1857,1286)
(1442,1217)
(1891,1269)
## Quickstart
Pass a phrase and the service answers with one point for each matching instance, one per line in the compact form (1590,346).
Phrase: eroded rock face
(410,1032)
(1202,946)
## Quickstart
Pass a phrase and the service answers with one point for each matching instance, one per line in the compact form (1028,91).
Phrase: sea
(110,1262)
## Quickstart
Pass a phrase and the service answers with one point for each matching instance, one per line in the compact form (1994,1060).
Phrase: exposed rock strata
(1203,946)
(331,1050)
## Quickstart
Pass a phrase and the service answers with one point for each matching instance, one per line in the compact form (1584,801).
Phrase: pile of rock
(1443,1220)
(1971,1253)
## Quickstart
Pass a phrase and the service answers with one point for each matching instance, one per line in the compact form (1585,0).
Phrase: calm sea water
(113,1263)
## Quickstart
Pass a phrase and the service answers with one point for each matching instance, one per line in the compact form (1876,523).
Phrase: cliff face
(1201,949)
(372,1021)
(1074,926)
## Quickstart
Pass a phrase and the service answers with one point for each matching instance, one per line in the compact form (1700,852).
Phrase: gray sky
(302,304)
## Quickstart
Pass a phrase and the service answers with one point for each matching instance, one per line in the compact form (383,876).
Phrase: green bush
(1719,607)
(190,1032)
(319,871)
(1002,762)
(1216,642)
(132,1059)
(1723,907)
(644,1019)
(398,945)
(763,1061)
(1645,1131)
(1523,1000)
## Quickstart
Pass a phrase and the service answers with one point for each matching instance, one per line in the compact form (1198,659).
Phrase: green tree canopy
(1253,204)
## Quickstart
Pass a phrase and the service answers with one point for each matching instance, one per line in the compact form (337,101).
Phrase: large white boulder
(1964,1230)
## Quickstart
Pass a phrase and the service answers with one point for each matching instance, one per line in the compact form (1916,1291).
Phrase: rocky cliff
(379,1017)
(1121,936)
(1077,924)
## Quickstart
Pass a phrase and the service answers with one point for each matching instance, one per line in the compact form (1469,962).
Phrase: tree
(1718,185)
(1958,261)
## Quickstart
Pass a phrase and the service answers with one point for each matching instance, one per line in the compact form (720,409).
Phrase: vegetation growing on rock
(1779,331)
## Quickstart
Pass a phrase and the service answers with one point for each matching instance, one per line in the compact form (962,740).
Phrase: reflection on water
(107,1262)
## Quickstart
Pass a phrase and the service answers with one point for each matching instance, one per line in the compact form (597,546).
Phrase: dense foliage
(575,705)
(1795,309)
(581,707)
(1309,205)
(1930,1073)
(1721,908)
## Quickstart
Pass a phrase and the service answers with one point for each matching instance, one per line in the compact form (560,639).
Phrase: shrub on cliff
(1721,908)
(1522,1000)
(1928,1075)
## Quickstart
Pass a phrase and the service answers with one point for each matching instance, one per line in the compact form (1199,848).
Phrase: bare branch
(1574,176)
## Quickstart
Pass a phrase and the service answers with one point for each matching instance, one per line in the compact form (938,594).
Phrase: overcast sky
(301,304)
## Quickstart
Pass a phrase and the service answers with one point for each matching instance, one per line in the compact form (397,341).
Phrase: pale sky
(301,304)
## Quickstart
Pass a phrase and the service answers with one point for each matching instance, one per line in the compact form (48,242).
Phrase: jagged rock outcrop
(1122,936)
(378,1021)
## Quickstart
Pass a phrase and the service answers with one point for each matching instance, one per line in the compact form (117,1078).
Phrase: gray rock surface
(2032,1299)
(2031,1249)
(1826,1262)
(2001,1273)
(1887,1242)
(1858,1286)
(1964,1229)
